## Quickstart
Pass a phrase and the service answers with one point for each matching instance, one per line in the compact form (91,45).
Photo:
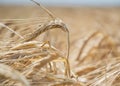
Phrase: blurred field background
(83,20)
(78,19)
(78,15)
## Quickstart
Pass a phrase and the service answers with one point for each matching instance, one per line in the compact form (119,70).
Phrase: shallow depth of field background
(79,15)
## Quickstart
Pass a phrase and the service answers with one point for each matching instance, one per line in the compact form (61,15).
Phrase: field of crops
(59,46)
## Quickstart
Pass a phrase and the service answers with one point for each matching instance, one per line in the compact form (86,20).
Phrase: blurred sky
(66,2)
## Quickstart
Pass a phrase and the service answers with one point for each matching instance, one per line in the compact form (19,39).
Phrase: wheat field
(59,46)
